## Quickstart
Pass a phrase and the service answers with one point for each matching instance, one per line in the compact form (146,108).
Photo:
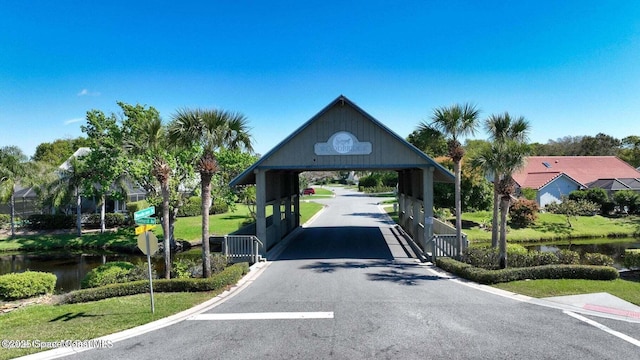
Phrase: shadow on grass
(559,229)
(71,316)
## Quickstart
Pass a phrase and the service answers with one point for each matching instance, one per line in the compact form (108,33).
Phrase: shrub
(140,271)
(51,222)
(529,193)
(229,276)
(632,259)
(218,207)
(109,273)
(24,285)
(376,189)
(570,207)
(568,257)
(369,181)
(218,263)
(523,213)
(111,220)
(191,207)
(484,276)
(517,256)
(597,259)
(628,201)
(183,268)
(132,207)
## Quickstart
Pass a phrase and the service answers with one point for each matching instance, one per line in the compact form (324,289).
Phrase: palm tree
(210,130)
(14,170)
(455,122)
(67,183)
(502,128)
(512,155)
(147,135)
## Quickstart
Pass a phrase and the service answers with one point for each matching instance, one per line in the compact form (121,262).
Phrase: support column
(427,200)
(296,203)
(261,199)
(287,204)
(277,214)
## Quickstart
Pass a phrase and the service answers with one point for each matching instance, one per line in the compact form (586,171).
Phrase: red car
(308,191)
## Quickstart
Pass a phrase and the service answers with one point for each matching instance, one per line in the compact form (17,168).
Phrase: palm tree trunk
(504,209)
(458,190)
(13,211)
(103,209)
(164,188)
(494,218)
(78,213)
(206,204)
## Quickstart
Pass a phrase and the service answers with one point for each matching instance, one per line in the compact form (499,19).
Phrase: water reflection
(69,268)
(614,249)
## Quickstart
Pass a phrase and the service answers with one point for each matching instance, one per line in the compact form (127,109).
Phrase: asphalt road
(371,303)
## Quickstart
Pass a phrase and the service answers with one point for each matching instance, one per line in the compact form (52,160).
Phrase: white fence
(239,248)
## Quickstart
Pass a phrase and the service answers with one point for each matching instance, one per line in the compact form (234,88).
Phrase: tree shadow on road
(397,272)
(402,278)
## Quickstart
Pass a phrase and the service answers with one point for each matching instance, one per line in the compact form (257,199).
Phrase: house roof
(540,170)
(617,184)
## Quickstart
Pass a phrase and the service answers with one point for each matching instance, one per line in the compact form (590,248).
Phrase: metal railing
(238,248)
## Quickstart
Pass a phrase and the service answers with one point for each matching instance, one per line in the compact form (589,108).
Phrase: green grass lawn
(551,227)
(320,193)
(626,290)
(90,320)
(187,228)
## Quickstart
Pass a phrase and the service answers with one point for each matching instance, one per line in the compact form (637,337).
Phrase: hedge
(109,273)
(111,220)
(51,222)
(228,276)
(488,277)
(632,259)
(24,285)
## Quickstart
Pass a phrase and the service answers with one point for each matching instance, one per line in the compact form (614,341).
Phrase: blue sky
(570,67)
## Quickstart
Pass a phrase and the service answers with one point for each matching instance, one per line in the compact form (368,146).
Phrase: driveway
(344,288)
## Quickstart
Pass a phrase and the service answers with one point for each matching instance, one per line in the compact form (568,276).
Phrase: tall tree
(106,161)
(210,130)
(15,171)
(153,163)
(630,151)
(65,185)
(57,152)
(455,122)
(429,140)
(503,128)
(502,159)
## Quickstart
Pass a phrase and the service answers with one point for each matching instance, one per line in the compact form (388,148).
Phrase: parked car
(308,191)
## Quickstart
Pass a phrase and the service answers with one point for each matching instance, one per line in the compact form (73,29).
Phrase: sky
(571,68)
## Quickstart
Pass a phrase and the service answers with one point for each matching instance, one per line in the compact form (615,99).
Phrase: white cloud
(86,92)
(74,120)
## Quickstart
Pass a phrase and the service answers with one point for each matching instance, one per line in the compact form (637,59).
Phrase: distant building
(556,176)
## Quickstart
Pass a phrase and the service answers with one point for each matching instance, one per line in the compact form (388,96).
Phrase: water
(614,249)
(68,267)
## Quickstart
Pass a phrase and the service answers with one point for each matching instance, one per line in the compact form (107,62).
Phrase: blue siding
(553,191)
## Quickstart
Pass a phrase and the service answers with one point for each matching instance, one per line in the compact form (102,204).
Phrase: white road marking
(622,336)
(264,316)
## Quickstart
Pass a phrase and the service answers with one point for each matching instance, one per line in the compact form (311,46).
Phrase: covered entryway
(342,136)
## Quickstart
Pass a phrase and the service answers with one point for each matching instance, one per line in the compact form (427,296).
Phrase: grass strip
(90,320)
(626,290)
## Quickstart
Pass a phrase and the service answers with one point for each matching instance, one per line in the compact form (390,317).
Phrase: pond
(70,268)
(612,247)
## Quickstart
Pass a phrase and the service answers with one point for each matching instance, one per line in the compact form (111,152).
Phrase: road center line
(622,336)
(264,316)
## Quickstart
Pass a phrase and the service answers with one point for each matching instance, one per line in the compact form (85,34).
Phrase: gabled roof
(539,170)
(296,152)
(617,184)
(83,151)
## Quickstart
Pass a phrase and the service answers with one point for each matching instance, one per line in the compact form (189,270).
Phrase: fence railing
(239,248)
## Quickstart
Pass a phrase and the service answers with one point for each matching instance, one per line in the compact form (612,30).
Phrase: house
(26,198)
(556,176)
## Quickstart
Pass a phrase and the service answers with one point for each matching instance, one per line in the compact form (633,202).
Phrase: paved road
(372,302)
